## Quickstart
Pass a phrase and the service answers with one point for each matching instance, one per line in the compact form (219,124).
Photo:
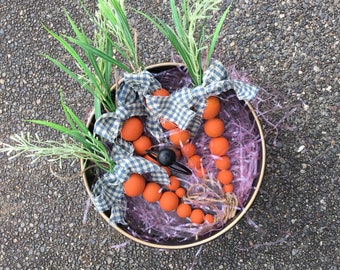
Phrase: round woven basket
(88,178)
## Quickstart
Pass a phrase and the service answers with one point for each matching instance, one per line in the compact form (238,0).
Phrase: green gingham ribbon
(184,107)
(130,103)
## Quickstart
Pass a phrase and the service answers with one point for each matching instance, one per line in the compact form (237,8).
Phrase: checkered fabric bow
(108,191)
(130,103)
(185,106)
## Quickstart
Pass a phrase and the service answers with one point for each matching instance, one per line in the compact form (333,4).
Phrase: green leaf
(73,120)
(80,35)
(73,133)
(188,34)
(176,41)
(216,33)
(52,125)
(170,34)
(199,53)
(124,24)
(65,109)
(70,73)
(118,26)
(108,68)
(99,53)
(175,16)
(97,108)
(74,54)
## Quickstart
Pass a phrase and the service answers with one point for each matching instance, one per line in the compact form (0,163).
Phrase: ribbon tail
(118,211)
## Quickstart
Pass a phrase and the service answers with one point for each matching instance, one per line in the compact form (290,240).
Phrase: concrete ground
(289,47)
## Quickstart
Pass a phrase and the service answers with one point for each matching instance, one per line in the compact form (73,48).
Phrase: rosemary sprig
(56,151)
(82,143)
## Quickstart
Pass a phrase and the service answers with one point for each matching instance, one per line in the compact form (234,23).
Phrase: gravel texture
(289,47)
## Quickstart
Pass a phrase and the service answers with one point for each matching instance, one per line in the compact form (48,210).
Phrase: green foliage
(91,76)
(188,35)
(112,39)
(112,16)
(81,144)
(57,151)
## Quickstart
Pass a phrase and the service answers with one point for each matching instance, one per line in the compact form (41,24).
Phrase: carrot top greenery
(112,39)
(188,36)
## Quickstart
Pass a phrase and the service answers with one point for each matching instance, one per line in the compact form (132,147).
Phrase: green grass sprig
(114,18)
(112,40)
(90,77)
(188,35)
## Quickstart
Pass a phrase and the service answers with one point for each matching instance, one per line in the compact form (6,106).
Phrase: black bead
(166,157)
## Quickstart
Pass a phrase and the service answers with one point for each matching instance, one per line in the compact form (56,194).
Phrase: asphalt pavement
(289,47)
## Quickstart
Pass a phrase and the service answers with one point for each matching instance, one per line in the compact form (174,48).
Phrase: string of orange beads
(218,145)
(181,139)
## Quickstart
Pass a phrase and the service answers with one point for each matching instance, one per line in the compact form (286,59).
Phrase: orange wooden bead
(179,137)
(188,150)
(174,183)
(214,127)
(201,172)
(152,192)
(228,188)
(197,216)
(132,129)
(212,108)
(141,144)
(161,92)
(209,218)
(219,146)
(180,192)
(168,201)
(225,177)
(183,210)
(168,125)
(194,162)
(134,185)
(222,163)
